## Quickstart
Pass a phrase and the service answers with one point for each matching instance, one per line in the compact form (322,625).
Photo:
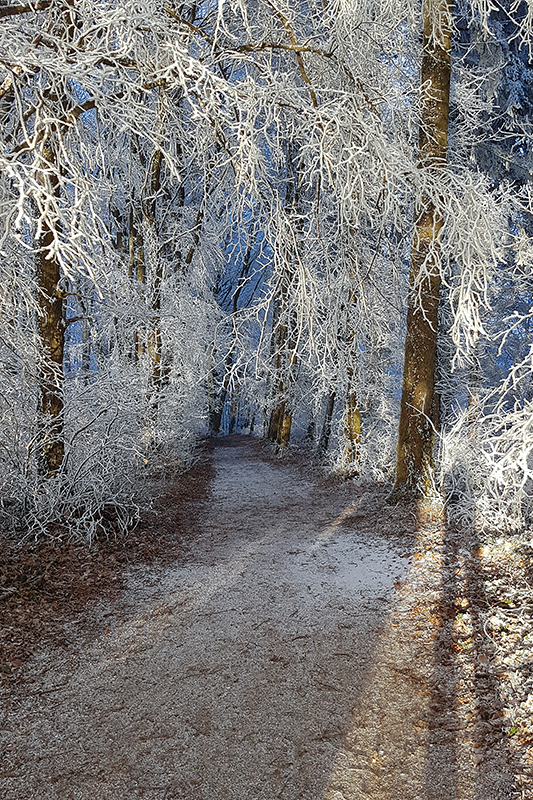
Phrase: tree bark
(352,412)
(51,327)
(352,432)
(51,322)
(219,403)
(414,466)
(284,326)
(326,428)
(155,342)
(285,359)
(218,410)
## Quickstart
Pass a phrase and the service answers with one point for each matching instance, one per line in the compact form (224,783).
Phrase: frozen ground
(299,655)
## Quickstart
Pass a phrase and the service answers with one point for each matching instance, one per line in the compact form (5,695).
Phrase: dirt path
(279,662)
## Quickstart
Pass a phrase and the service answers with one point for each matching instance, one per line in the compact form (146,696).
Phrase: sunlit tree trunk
(352,430)
(352,411)
(414,468)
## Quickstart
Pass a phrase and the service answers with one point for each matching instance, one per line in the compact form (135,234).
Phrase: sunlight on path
(413,733)
(270,665)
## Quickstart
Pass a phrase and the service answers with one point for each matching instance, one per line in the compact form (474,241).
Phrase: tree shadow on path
(427,725)
(465,725)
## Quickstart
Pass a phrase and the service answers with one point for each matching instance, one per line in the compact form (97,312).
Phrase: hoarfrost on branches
(211,207)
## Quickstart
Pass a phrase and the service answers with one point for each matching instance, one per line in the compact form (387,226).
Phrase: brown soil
(46,583)
(269,633)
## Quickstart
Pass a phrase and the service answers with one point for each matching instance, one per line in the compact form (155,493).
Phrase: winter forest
(308,220)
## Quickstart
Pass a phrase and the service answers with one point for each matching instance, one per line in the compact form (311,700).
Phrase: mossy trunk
(414,466)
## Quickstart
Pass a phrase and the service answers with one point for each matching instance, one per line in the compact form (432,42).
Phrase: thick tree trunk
(51,322)
(414,466)
(51,326)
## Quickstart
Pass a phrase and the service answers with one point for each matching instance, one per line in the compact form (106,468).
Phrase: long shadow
(466,712)
(443,722)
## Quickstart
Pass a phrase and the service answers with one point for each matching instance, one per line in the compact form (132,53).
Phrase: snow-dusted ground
(280,662)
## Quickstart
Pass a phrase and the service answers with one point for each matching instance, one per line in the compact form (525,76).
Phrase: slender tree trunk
(86,352)
(216,416)
(234,414)
(51,326)
(285,358)
(284,324)
(414,467)
(326,428)
(352,411)
(136,270)
(352,430)
(276,345)
(218,409)
(154,336)
(310,432)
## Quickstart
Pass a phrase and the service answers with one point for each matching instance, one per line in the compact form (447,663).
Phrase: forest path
(279,661)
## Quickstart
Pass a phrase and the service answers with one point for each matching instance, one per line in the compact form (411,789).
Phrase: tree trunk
(352,431)
(285,358)
(220,402)
(234,414)
(155,343)
(352,412)
(284,323)
(136,271)
(414,466)
(51,327)
(326,428)
(218,408)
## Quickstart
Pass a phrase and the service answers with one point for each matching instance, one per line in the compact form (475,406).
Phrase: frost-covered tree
(414,468)
(99,310)
(217,205)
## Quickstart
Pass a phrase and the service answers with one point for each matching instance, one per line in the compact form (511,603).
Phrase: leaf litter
(269,632)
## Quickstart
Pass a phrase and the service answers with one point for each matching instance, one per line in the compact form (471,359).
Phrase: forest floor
(269,633)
